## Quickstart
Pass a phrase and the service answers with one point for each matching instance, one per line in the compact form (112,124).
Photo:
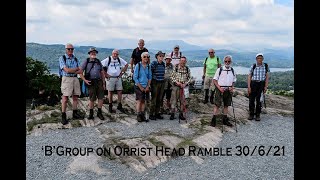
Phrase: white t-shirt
(114,66)
(175,58)
(226,77)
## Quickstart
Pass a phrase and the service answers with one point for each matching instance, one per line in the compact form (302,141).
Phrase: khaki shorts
(219,98)
(114,84)
(208,83)
(70,86)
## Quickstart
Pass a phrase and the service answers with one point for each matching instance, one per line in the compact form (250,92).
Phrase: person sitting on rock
(224,80)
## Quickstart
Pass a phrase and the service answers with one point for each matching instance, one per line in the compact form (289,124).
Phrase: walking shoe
(158,116)
(258,117)
(100,116)
(171,116)
(152,117)
(205,101)
(91,114)
(76,115)
(181,117)
(119,107)
(250,117)
(139,118)
(226,121)
(64,120)
(143,116)
(110,109)
(213,121)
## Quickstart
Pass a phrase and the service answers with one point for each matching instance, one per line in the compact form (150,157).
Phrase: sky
(216,23)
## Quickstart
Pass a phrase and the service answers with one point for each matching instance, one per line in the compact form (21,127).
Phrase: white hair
(228,56)
(144,53)
(68,44)
(115,51)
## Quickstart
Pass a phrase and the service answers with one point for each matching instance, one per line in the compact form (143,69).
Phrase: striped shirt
(70,63)
(181,75)
(259,73)
(158,70)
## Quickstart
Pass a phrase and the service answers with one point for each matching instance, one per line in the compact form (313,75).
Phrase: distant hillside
(51,53)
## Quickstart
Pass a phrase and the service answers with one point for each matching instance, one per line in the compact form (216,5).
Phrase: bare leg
(75,102)
(119,96)
(64,101)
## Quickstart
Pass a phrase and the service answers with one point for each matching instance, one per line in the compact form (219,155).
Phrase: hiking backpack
(65,60)
(255,65)
(179,52)
(226,70)
(106,68)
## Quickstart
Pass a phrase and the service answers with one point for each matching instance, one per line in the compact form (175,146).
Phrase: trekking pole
(234,116)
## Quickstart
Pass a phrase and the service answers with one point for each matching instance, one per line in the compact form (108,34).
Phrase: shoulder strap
(266,67)
(109,61)
(171,54)
(180,54)
(253,67)
(220,70)
(64,58)
(232,71)
(217,60)
(138,69)
(205,61)
(119,62)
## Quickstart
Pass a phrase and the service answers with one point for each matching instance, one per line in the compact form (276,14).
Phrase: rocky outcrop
(126,138)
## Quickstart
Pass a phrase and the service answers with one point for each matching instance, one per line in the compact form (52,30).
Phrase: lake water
(198,71)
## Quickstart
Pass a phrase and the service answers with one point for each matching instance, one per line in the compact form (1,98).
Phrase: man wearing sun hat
(95,81)
(167,84)
(258,79)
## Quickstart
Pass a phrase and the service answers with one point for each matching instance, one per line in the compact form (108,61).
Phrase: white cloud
(203,22)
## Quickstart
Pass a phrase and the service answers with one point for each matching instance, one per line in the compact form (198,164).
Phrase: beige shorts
(114,84)
(208,83)
(70,86)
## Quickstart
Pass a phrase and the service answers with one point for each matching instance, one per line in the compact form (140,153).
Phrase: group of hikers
(166,77)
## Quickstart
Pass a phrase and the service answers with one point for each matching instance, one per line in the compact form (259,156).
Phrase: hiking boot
(226,121)
(258,117)
(119,107)
(139,118)
(158,116)
(213,121)
(64,120)
(76,115)
(171,116)
(143,115)
(91,114)
(181,117)
(100,116)
(206,96)
(205,101)
(250,117)
(152,117)
(110,109)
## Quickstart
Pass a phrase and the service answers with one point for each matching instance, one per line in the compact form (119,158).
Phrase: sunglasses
(146,56)
(211,52)
(70,49)
(227,61)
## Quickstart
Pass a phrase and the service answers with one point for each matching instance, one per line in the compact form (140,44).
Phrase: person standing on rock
(167,84)
(176,55)
(157,85)
(224,79)
(210,66)
(136,54)
(180,77)
(142,77)
(114,67)
(95,81)
(258,79)
(70,84)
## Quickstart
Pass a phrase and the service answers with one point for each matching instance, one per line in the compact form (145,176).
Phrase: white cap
(259,54)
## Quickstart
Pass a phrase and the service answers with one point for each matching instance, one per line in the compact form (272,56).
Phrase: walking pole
(234,116)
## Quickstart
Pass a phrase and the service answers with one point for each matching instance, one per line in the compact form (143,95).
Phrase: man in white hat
(258,78)
(176,55)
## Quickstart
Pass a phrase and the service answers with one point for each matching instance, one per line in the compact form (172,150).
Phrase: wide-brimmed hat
(159,53)
(92,49)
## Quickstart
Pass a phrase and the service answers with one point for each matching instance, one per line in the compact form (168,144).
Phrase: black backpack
(255,65)
(106,68)
(179,52)
(65,60)
(205,61)
(226,70)
(87,73)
